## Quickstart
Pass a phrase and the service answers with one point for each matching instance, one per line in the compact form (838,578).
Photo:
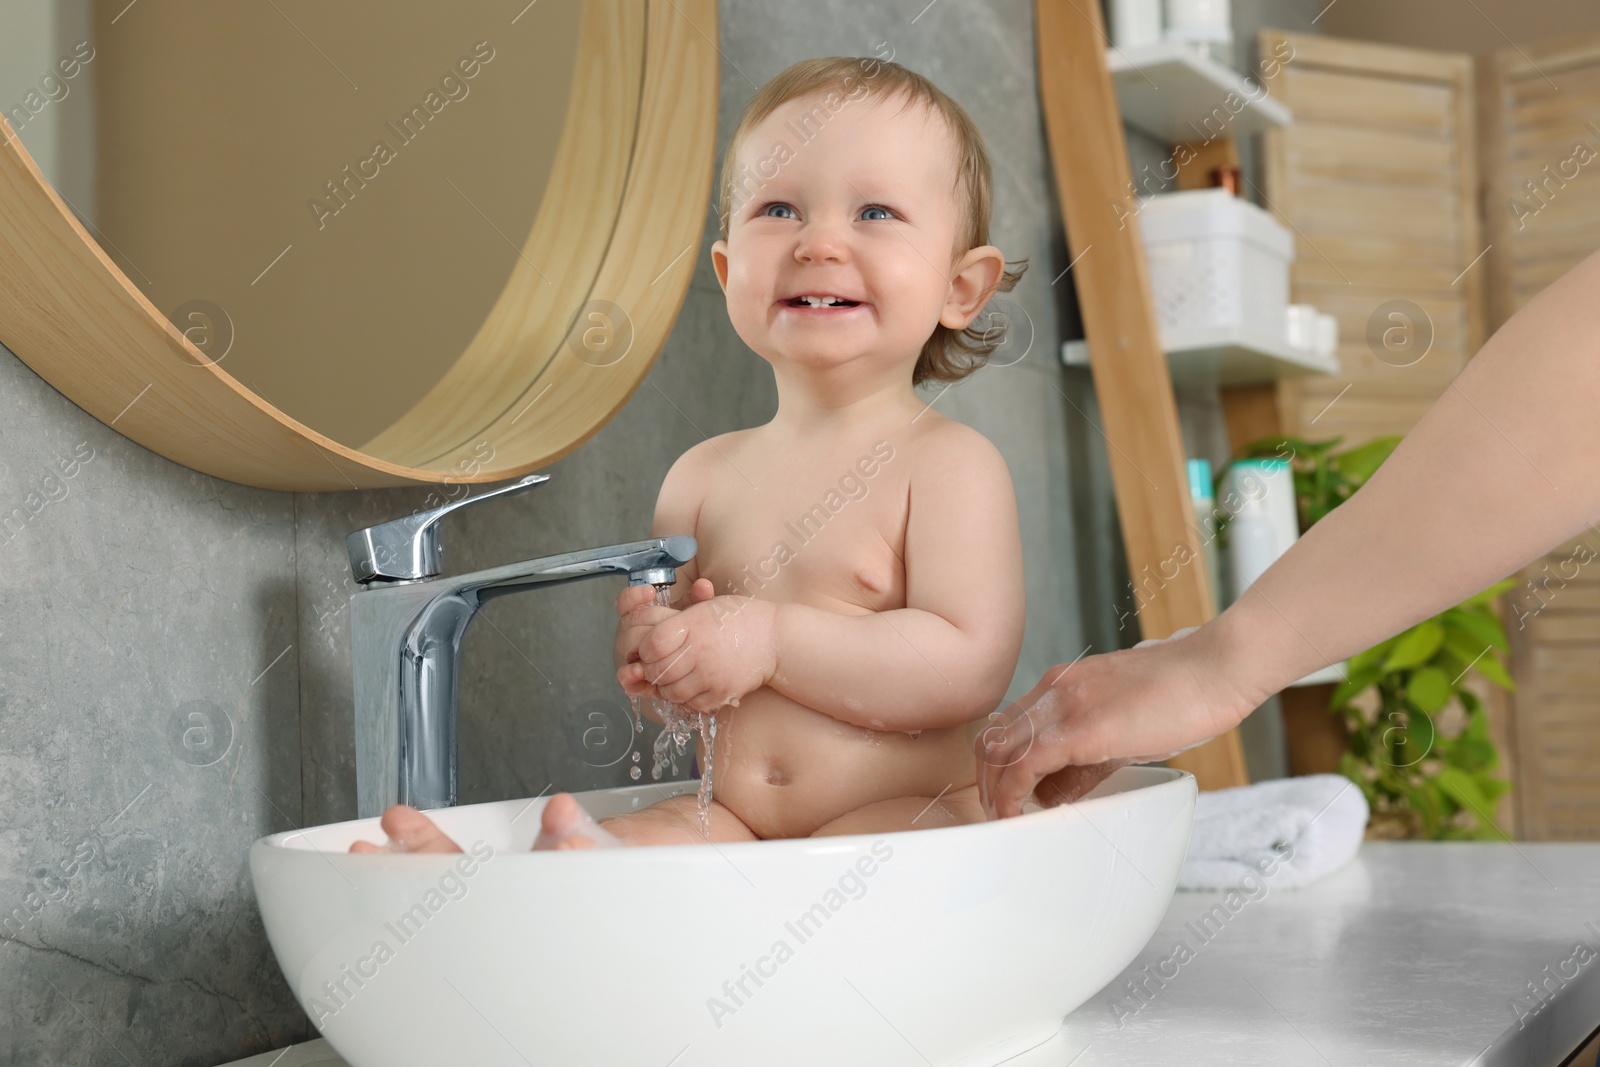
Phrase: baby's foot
(409,831)
(564,824)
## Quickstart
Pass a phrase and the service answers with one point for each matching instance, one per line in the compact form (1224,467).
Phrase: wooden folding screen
(1377,176)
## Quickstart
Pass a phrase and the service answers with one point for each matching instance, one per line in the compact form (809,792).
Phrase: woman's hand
(1086,719)
(709,654)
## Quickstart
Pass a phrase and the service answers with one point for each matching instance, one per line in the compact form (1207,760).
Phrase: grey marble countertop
(1412,954)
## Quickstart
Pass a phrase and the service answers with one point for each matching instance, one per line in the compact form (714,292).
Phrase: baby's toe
(575,841)
(411,831)
(565,825)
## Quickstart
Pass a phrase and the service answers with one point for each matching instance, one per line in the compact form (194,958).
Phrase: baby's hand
(710,654)
(637,615)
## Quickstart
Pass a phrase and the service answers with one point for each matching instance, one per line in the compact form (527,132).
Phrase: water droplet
(636,756)
(634,773)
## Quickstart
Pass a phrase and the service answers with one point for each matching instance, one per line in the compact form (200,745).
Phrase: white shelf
(1172,92)
(1223,355)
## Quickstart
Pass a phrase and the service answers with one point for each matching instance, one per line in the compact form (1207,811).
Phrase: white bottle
(1260,495)
(1135,23)
(1204,24)
(1327,331)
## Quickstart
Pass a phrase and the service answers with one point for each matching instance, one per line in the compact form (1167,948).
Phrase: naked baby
(856,607)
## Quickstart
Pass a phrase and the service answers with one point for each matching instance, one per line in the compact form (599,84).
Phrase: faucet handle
(409,548)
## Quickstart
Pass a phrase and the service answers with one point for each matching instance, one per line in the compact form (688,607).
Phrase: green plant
(1403,754)
(1323,478)
(1419,746)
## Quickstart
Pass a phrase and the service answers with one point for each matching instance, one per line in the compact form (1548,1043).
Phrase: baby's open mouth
(820,302)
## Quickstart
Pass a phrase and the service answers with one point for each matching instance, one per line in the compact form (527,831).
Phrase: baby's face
(865,210)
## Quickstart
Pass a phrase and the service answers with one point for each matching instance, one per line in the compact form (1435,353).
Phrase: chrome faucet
(406,626)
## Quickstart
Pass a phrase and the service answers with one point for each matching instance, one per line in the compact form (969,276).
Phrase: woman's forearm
(1500,470)
(904,669)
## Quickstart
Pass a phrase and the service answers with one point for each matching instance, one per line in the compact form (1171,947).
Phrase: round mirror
(311,247)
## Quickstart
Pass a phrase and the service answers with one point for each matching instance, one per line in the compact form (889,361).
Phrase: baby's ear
(971,285)
(719,262)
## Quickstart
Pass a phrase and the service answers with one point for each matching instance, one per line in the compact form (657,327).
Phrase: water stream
(679,726)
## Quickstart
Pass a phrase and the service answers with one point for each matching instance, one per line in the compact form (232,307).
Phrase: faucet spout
(405,644)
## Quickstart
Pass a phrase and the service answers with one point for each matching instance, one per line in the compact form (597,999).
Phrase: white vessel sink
(959,946)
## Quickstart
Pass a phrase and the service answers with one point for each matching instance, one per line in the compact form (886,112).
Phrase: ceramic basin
(959,946)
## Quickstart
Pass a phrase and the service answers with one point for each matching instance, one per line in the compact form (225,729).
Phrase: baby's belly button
(773,774)
(763,771)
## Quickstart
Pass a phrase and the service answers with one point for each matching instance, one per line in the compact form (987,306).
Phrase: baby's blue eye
(766,212)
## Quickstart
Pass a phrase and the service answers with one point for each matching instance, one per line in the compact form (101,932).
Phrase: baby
(856,608)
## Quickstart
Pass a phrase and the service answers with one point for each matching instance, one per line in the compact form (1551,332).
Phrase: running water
(679,726)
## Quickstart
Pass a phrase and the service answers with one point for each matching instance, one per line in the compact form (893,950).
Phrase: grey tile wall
(174,650)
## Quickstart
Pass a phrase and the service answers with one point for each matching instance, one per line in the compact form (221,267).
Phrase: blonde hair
(948,355)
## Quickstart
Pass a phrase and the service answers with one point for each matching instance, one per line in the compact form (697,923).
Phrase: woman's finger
(1063,752)
(1002,744)
(1071,783)
(1008,737)
(1013,780)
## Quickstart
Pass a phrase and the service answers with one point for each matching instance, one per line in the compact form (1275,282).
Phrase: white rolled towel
(1286,831)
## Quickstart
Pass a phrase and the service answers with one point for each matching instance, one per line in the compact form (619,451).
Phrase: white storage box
(1216,260)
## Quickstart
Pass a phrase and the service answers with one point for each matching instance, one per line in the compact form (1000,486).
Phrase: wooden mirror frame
(71,314)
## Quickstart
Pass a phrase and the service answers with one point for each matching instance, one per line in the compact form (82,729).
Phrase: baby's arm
(947,657)
(677,512)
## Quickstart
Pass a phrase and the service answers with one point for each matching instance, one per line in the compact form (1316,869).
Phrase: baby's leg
(565,825)
(954,808)
(675,821)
